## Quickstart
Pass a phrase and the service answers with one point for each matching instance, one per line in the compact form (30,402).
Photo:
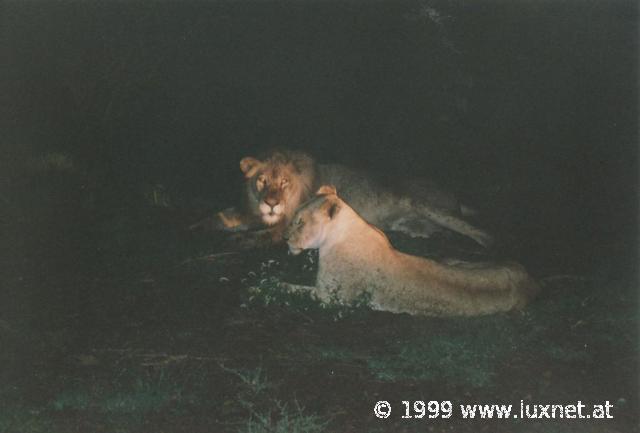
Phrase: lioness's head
(311,223)
(278,184)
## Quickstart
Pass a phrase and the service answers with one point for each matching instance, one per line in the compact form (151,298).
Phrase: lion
(355,258)
(279,183)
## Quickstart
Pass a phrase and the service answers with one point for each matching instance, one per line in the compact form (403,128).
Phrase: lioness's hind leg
(414,226)
(459,225)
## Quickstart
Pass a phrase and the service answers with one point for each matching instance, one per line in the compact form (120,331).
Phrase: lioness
(355,257)
(279,183)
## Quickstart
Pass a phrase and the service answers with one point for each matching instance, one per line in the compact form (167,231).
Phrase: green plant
(255,379)
(283,420)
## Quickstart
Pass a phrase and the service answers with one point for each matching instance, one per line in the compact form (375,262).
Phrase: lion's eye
(299,222)
(260,182)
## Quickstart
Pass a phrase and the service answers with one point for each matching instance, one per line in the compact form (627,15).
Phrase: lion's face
(311,224)
(270,191)
(277,185)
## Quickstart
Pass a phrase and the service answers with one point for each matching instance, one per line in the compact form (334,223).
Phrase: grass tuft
(283,420)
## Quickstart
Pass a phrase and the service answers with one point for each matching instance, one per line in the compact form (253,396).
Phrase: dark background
(527,109)
(122,123)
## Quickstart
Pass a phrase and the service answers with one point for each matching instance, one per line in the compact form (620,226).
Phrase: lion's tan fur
(418,208)
(355,257)
(298,168)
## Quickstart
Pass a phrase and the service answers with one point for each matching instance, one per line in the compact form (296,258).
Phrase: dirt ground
(117,319)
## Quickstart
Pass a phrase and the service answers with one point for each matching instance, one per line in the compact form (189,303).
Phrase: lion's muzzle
(294,250)
(271,214)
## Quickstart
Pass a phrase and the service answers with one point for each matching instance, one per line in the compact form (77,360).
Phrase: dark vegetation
(123,123)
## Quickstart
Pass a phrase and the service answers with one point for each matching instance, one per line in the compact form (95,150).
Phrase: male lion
(355,257)
(279,183)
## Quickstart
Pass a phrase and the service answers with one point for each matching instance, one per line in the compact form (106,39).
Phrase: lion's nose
(272,202)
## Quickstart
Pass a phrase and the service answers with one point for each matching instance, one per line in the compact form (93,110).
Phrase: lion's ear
(334,208)
(249,165)
(327,189)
